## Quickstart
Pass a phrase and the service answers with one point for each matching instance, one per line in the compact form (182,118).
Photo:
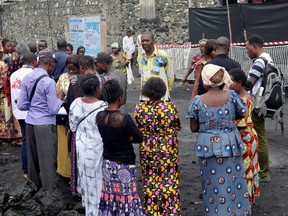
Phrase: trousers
(23,146)
(42,154)
(263,149)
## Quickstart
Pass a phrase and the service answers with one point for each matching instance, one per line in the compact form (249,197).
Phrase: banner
(85,31)
(268,20)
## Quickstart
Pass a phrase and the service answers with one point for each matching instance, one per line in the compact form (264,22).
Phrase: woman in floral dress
(159,123)
(248,134)
(7,130)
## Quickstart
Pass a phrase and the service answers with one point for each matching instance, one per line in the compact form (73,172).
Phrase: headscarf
(214,76)
(114,45)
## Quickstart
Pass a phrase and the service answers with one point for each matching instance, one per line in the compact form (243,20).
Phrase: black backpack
(270,98)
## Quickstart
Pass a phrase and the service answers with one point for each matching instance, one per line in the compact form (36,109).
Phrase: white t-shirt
(128,45)
(15,85)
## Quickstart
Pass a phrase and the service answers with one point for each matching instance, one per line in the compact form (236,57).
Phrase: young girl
(119,192)
(248,134)
(159,154)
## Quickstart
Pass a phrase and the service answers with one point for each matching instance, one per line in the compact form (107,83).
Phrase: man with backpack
(254,47)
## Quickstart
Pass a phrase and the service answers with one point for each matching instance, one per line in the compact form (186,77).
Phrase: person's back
(42,109)
(217,112)
(117,147)
(89,145)
(118,158)
(222,59)
(16,83)
(60,67)
(38,95)
(61,57)
(30,61)
(159,153)
(219,145)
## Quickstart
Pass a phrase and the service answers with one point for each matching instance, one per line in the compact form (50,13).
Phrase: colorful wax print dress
(7,130)
(250,152)
(219,147)
(159,123)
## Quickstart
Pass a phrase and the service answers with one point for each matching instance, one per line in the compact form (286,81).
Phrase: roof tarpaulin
(268,20)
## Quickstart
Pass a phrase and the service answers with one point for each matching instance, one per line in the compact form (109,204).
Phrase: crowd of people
(69,114)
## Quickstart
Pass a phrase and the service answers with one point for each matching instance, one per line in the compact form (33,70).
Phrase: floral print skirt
(119,192)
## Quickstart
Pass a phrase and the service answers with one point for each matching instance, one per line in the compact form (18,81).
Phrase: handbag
(61,117)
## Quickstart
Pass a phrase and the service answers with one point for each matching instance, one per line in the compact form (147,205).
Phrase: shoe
(265,179)
(25,176)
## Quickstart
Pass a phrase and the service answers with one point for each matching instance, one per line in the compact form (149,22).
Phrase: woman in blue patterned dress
(219,144)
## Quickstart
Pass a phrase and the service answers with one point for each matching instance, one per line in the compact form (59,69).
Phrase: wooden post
(229,23)
(245,35)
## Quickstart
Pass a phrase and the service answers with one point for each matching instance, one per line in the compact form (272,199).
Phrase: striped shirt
(257,70)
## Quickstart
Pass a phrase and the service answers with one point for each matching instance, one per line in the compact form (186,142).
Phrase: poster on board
(85,31)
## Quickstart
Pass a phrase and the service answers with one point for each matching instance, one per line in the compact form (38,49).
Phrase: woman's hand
(61,94)
(73,79)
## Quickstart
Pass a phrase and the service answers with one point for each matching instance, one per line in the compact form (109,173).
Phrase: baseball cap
(46,54)
(103,57)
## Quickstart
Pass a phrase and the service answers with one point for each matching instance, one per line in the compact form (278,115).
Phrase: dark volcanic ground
(274,195)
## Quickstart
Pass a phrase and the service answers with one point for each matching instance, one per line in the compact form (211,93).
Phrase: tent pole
(229,22)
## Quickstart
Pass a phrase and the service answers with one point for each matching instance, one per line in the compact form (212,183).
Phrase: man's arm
(255,73)
(189,71)
(54,104)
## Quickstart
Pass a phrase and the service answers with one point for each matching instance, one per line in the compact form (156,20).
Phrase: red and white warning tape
(265,44)
(167,46)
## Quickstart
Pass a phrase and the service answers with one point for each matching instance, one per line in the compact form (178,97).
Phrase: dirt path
(274,195)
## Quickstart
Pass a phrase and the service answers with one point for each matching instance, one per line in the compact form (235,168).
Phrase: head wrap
(114,45)
(215,76)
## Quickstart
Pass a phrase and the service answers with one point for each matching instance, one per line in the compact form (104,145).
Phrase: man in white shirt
(30,61)
(129,46)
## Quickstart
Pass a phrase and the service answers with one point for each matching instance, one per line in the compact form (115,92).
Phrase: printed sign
(85,32)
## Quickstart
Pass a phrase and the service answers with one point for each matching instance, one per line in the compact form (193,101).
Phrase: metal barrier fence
(181,58)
